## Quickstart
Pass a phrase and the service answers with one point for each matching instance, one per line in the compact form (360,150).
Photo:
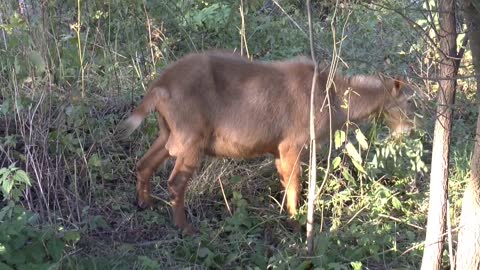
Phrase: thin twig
(243,39)
(312,181)
(290,17)
(449,237)
(224,196)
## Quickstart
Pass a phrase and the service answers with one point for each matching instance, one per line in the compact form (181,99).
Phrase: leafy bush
(23,245)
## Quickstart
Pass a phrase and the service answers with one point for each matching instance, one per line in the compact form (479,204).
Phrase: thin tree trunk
(468,250)
(432,256)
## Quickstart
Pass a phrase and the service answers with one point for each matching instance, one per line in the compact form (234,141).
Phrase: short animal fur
(227,106)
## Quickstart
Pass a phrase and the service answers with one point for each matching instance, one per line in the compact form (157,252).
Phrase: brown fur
(227,106)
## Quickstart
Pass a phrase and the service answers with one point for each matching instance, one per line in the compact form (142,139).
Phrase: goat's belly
(221,146)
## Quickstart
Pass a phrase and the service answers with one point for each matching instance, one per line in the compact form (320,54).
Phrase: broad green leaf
(353,153)
(21,176)
(72,236)
(339,138)
(356,265)
(396,203)
(94,161)
(336,162)
(203,252)
(7,185)
(346,174)
(358,166)
(235,179)
(362,140)
(4,172)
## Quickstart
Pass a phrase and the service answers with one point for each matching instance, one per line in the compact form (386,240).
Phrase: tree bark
(468,249)
(432,256)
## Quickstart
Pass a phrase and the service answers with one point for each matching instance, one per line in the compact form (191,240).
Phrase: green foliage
(239,232)
(13,183)
(147,263)
(22,244)
(22,59)
(372,214)
(211,18)
(25,247)
(401,158)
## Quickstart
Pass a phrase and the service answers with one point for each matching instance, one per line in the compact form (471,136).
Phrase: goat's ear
(398,82)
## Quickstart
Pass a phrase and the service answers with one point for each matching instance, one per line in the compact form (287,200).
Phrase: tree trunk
(468,250)
(432,256)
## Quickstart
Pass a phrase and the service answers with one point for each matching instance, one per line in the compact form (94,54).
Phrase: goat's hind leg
(288,167)
(149,163)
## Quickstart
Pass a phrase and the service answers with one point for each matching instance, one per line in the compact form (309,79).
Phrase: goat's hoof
(145,204)
(294,226)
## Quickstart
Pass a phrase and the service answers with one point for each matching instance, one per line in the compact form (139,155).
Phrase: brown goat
(226,106)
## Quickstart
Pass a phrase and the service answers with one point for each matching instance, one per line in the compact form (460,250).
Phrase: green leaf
(17,257)
(7,210)
(4,172)
(148,263)
(72,236)
(203,252)
(22,177)
(94,161)
(37,61)
(5,267)
(307,264)
(235,179)
(362,140)
(336,162)
(396,203)
(98,222)
(352,152)
(339,138)
(346,174)
(35,252)
(7,186)
(356,265)
(358,166)
(55,248)
(18,241)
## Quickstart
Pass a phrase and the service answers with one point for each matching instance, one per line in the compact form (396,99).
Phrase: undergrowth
(68,188)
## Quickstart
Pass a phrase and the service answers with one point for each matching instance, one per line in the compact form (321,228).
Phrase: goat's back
(246,106)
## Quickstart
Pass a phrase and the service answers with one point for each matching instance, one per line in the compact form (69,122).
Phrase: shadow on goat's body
(226,106)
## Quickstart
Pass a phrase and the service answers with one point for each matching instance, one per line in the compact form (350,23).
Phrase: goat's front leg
(185,166)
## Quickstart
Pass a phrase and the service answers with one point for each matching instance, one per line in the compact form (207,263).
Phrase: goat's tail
(147,105)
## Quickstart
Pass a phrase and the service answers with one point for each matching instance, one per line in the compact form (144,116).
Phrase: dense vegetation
(71,70)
